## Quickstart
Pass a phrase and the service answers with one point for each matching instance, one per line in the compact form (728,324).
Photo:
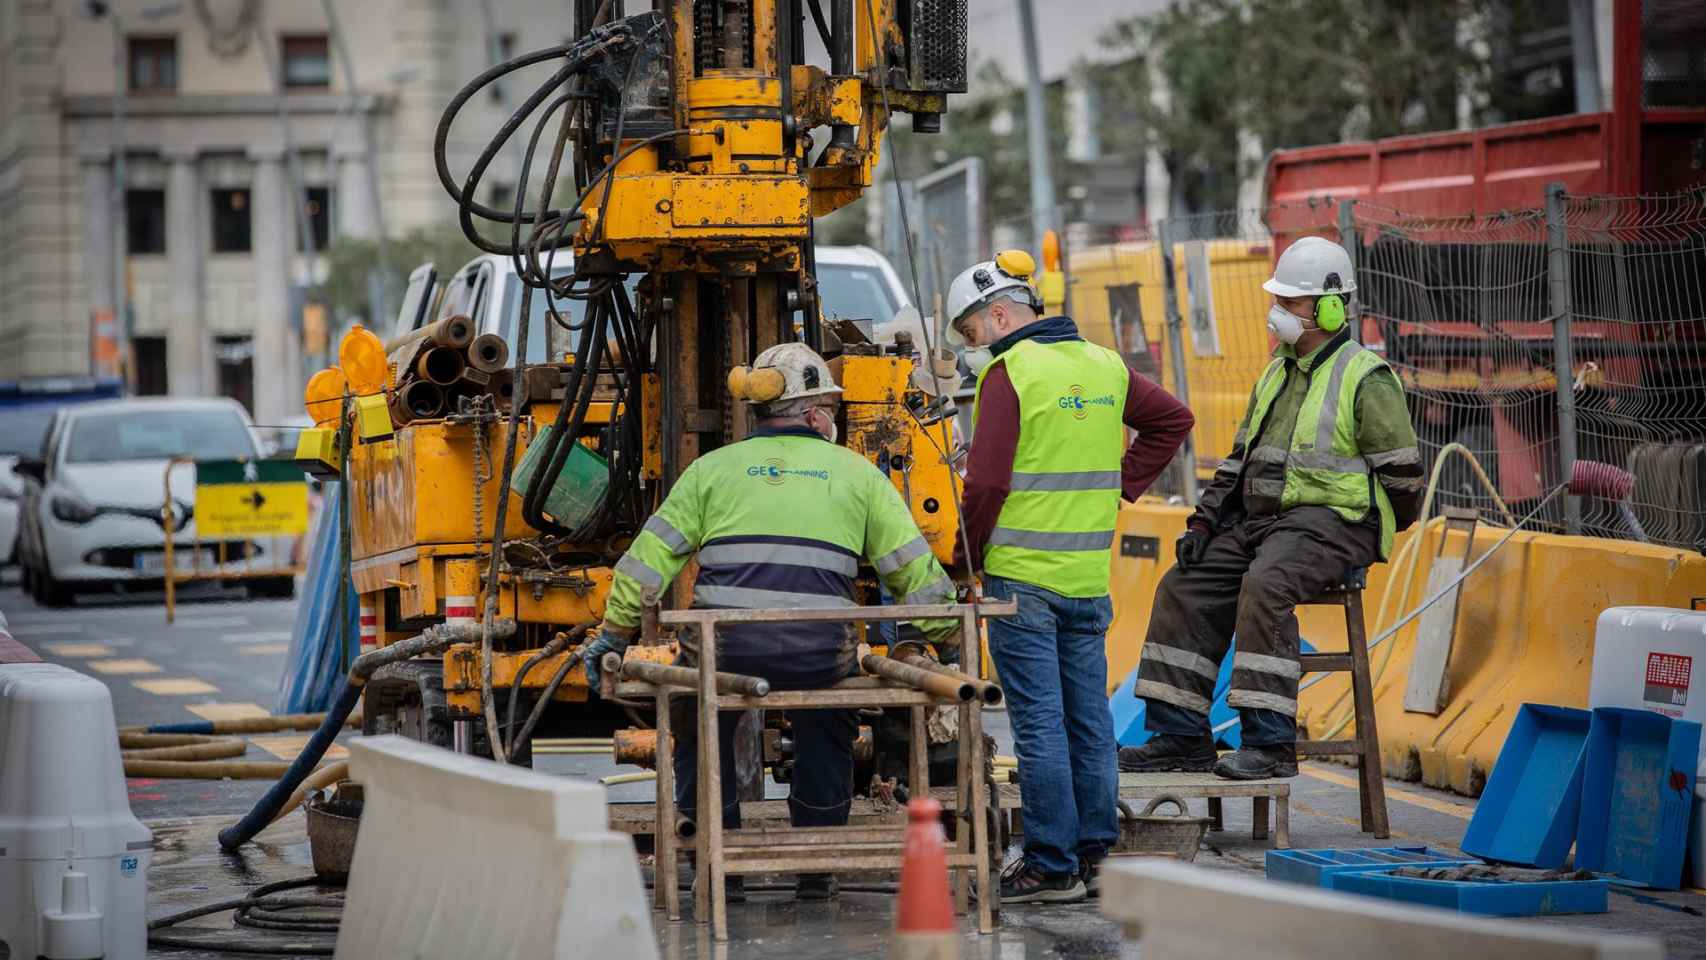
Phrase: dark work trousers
(822,790)
(1250,579)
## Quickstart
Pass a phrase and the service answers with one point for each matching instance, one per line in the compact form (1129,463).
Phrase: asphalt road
(221,658)
(224,657)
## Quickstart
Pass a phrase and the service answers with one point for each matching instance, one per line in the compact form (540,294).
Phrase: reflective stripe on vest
(1056,527)
(1323,466)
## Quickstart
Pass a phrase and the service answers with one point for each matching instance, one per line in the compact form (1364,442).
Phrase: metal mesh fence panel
(1637,270)
(1459,307)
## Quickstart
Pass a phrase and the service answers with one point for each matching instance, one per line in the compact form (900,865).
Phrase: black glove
(1189,549)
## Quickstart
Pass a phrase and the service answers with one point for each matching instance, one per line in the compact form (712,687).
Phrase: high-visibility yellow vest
(1323,466)
(1056,529)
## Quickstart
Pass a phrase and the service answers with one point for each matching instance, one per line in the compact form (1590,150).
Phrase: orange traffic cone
(924,927)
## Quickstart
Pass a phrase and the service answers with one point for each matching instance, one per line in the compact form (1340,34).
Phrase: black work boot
(1258,763)
(816,886)
(1170,753)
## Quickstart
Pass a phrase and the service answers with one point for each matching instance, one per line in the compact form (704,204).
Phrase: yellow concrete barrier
(1524,633)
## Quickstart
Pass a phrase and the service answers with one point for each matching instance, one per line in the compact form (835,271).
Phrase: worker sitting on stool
(1047,468)
(1323,470)
(781,519)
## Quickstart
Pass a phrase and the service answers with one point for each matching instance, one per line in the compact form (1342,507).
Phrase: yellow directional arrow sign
(250,498)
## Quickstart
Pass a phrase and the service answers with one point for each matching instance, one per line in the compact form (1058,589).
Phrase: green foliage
(350,261)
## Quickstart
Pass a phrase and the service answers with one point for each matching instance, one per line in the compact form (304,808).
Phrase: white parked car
(91,514)
(858,283)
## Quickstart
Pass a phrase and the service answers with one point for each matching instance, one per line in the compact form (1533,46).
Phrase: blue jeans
(1054,670)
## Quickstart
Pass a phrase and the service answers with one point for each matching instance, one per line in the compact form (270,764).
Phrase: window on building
(307,62)
(505,52)
(319,217)
(145,221)
(235,359)
(231,221)
(502,196)
(153,64)
(150,371)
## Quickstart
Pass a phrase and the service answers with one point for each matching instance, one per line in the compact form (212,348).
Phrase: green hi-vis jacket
(1056,527)
(781,519)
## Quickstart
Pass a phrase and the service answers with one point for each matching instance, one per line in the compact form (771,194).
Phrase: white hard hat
(787,371)
(1008,274)
(1311,267)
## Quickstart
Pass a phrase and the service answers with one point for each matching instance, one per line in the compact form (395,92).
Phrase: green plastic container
(579,488)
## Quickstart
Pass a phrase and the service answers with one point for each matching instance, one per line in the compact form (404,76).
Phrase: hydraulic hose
(435,639)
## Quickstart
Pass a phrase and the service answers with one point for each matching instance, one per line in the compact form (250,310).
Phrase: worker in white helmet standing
(1322,472)
(784,518)
(1048,466)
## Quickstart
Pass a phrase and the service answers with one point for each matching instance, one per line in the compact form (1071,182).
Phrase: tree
(1294,73)
(350,261)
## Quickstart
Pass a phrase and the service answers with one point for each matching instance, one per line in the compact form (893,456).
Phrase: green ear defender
(1330,312)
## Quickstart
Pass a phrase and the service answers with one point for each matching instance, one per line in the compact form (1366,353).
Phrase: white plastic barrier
(461,857)
(73,861)
(1195,913)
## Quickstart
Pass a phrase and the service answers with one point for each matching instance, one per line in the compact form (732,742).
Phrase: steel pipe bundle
(664,675)
(988,692)
(929,681)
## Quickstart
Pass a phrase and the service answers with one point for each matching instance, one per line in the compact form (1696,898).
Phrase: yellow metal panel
(418,490)
(557,603)
(738,202)
(1524,633)
(1219,385)
(874,379)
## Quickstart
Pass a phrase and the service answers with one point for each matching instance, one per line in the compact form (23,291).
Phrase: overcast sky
(1066,29)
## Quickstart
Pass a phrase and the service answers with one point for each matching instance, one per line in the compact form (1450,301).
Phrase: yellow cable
(620,778)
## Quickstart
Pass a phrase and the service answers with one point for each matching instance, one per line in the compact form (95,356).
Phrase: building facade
(246,136)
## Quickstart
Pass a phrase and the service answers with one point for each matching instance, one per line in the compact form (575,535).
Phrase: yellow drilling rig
(700,145)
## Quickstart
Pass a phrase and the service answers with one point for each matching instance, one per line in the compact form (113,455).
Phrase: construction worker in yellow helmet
(1322,472)
(783,518)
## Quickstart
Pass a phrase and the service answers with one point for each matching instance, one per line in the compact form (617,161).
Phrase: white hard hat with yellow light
(1008,275)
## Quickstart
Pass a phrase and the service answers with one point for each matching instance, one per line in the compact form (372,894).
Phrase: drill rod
(929,681)
(663,675)
(987,692)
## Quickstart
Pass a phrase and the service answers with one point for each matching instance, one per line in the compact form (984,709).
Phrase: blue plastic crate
(1316,868)
(1482,897)
(1527,813)
(1636,795)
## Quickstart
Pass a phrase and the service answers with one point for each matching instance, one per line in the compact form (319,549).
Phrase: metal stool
(1365,746)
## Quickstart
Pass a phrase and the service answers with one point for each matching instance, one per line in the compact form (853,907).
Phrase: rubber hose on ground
(435,640)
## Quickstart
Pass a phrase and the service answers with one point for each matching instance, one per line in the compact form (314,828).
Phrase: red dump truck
(1455,289)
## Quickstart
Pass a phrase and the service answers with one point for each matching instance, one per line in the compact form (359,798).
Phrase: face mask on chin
(1287,327)
(832,433)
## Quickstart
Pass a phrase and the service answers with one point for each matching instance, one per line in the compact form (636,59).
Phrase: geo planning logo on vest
(774,471)
(1079,404)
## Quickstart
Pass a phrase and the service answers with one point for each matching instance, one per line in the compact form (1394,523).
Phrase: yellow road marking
(78,649)
(286,746)
(227,711)
(266,648)
(122,667)
(175,686)
(1446,807)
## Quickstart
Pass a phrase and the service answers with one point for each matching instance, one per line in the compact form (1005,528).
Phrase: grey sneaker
(1090,872)
(1022,882)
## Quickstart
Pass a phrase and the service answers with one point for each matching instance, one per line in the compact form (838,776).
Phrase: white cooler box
(1654,658)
